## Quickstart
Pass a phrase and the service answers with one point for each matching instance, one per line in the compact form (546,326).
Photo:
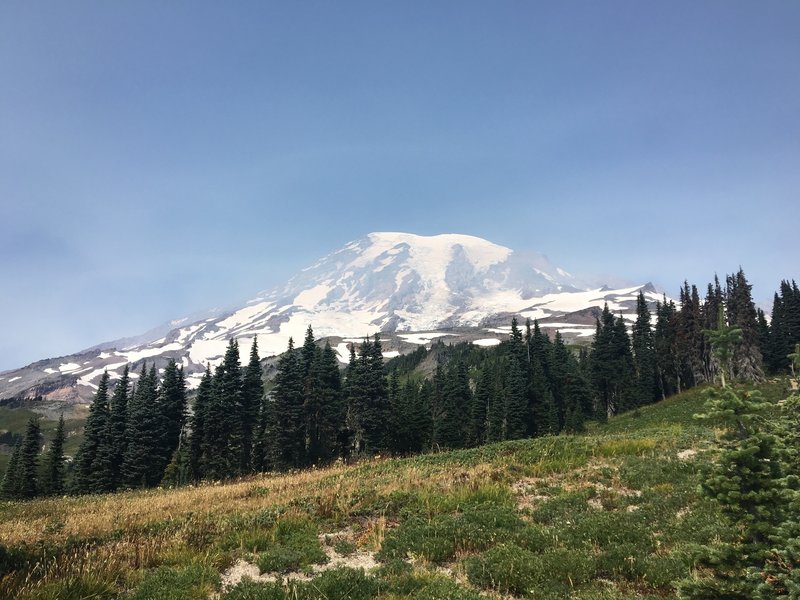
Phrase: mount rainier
(410,288)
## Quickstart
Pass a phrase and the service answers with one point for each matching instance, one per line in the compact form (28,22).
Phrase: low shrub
(195,581)
(295,545)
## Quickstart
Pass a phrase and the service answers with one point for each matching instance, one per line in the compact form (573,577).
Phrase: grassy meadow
(610,514)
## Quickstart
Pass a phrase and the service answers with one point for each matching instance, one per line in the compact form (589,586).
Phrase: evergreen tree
(665,343)
(218,462)
(54,467)
(496,411)
(747,483)
(252,393)
(330,415)
(264,445)
(94,438)
(143,434)
(9,488)
(724,340)
(455,396)
(376,407)
(612,365)
(746,359)
(172,405)
(118,422)
(479,408)
(516,403)
(177,471)
(289,439)
(28,465)
(543,411)
(644,358)
(229,395)
(197,424)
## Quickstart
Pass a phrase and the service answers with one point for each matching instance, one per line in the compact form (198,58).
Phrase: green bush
(602,528)
(344,547)
(506,568)
(248,589)
(509,568)
(295,545)
(195,581)
(445,589)
(563,507)
(664,571)
(338,584)
(621,560)
(438,539)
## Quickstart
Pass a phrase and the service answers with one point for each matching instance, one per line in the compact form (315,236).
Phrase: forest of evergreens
(145,435)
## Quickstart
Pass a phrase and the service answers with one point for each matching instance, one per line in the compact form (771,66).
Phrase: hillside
(612,513)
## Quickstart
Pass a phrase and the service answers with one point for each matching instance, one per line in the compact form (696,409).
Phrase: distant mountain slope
(397,283)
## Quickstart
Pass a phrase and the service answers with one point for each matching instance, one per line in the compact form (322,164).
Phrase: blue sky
(162,158)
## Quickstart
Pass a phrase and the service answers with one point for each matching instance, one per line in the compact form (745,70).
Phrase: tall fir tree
(376,409)
(644,357)
(172,409)
(9,487)
(94,438)
(747,362)
(28,467)
(143,433)
(516,402)
(54,477)
(252,393)
(289,438)
(118,420)
(197,425)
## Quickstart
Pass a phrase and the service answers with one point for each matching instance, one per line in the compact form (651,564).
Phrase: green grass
(610,514)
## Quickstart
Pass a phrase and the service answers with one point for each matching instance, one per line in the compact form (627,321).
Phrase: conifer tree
(197,424)
(94,438)
(143,434)
(54,467)
(118,422)
(229,395)
(496,411)
(289,437)
(172,408)
(455,396)
(516,403)
(376,406)
(723,342)
(644,358)
(218,463)
(264,446)
(9,487)
(747,483)
(28,466)
(612,365)
(746,360)
(542,412)
(252,392)
(330,415)
(479,407)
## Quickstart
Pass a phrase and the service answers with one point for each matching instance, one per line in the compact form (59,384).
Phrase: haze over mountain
(411,288)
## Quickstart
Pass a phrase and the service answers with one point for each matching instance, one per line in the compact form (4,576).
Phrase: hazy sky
(162,158)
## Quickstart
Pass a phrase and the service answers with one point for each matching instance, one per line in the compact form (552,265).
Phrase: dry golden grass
(332,489)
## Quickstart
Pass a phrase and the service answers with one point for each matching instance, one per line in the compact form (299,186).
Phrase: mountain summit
(395,283)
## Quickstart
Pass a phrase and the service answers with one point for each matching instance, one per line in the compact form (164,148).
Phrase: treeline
(143,435)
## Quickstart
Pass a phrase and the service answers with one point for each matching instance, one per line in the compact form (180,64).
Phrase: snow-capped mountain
(410,288)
